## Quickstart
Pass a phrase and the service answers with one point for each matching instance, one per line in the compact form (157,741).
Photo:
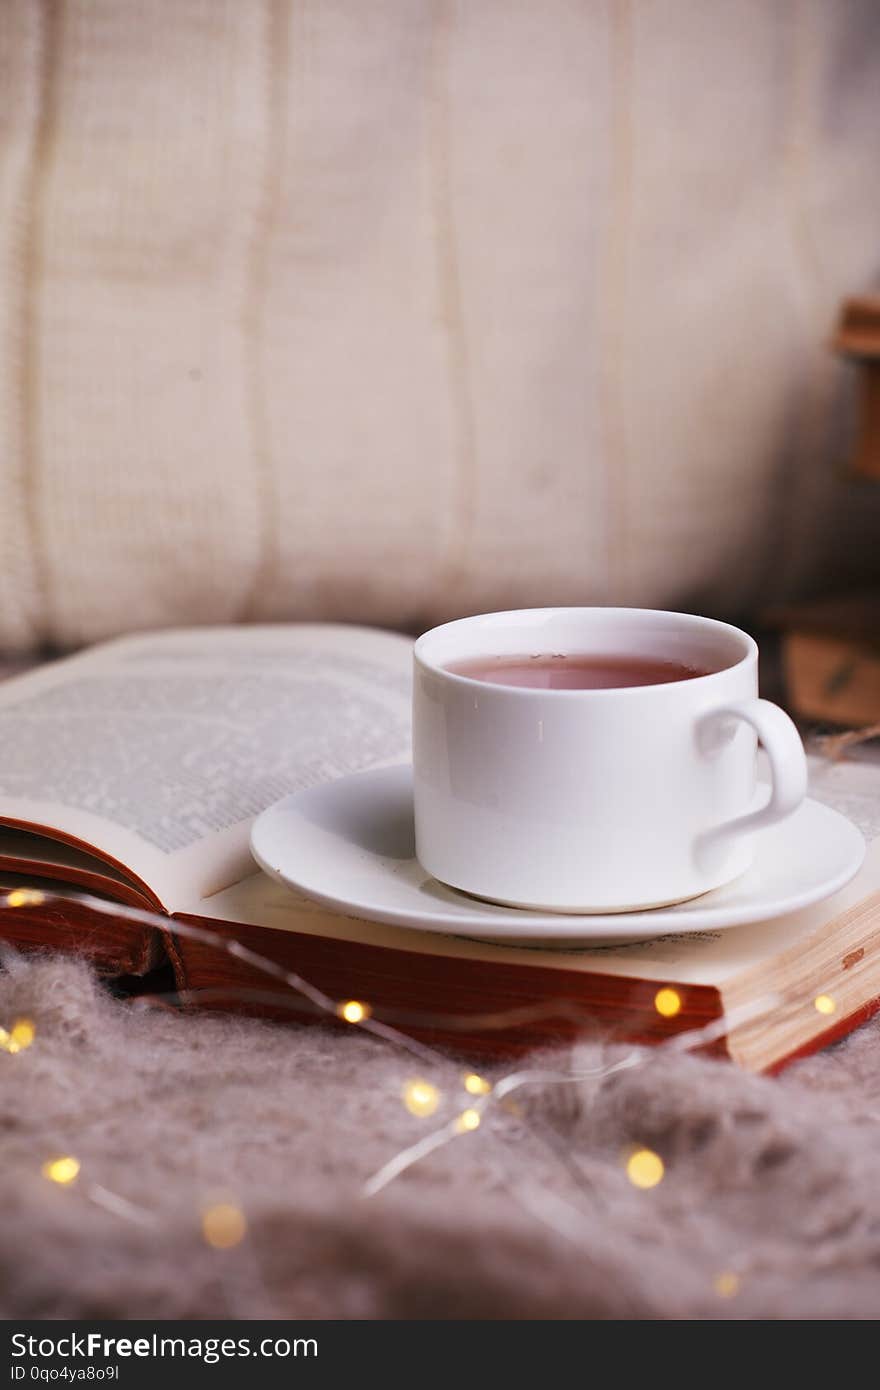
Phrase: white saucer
(349,844)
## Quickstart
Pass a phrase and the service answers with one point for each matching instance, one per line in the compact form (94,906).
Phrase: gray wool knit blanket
(769,1206)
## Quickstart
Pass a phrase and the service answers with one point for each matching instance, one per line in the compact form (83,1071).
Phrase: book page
(707,958)
(23,852)
(853,788)
(158,751)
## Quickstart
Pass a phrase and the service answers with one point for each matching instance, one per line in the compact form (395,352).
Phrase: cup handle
(785,752)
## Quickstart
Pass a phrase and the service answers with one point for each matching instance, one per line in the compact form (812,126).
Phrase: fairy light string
(224,1225)
(355,1012)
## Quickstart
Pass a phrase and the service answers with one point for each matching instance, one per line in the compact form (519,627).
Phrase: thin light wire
(687,1041)
(120,1206)
(680,1042)
(562,1011)
(452,1129)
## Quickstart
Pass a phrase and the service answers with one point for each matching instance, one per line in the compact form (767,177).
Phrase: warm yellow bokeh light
(223,1225)
(21,1036)
(421,1098)
(644,1168)
(824,1004)
(61,1170)
(467,1120)
(353,1011)
(23,1033)
(476,1085)
(25,897)
(667,1002)
(726,1284)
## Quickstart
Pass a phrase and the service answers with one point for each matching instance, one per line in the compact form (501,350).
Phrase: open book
(135,770)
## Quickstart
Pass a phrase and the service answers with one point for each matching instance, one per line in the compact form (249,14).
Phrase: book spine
(113,946)
(481,1009)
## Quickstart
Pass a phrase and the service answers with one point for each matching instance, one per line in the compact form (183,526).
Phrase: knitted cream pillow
(388,311)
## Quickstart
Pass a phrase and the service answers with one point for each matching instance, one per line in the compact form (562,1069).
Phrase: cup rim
(749,655)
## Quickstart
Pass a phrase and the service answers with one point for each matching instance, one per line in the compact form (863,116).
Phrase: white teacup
(595,800)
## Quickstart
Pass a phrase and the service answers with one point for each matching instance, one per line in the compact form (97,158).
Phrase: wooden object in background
(831,658)
(858,338)
(834,681)
(831,648)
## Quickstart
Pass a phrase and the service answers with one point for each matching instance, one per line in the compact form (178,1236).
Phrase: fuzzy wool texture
(530,1216)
